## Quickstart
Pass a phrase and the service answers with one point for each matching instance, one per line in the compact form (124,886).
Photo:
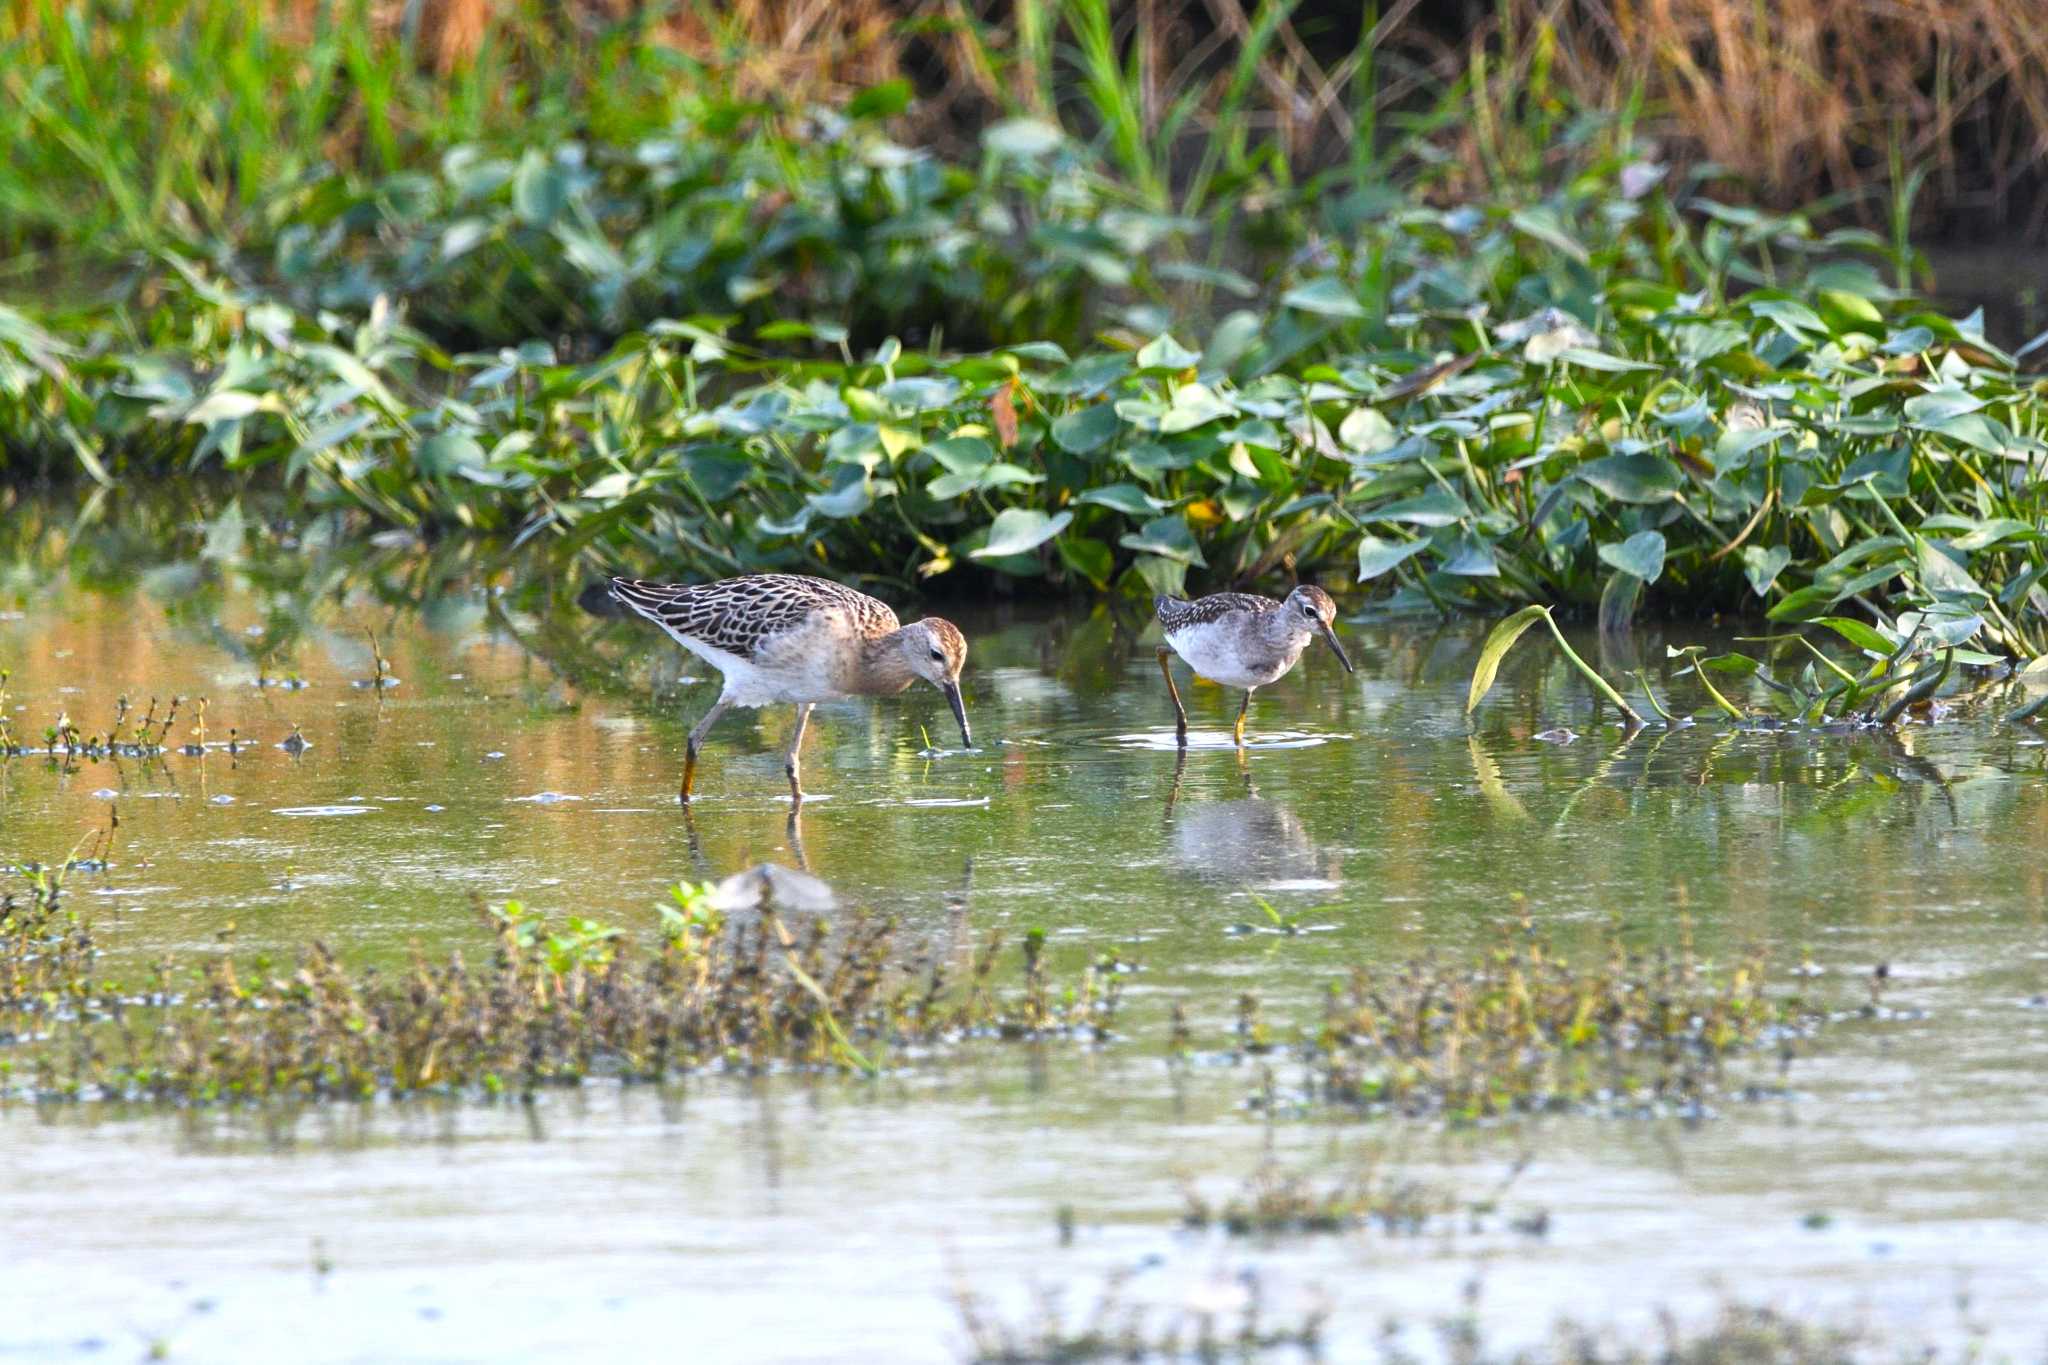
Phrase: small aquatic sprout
(295,743)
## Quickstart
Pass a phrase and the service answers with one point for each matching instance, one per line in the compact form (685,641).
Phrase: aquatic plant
(1524,1027)
(561,1001)
(1274,1202)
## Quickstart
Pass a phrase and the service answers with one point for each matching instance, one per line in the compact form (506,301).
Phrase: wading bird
(780,637)
(1239,640)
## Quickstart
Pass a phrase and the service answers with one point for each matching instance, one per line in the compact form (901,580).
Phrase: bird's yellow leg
(1237,730)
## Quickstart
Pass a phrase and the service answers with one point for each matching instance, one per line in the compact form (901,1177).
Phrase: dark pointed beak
(952,691)
(1330,634)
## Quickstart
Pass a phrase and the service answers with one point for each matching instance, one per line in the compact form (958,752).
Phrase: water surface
(530,750)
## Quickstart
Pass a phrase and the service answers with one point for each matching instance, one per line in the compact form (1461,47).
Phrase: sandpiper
(1243,641)
(779,637)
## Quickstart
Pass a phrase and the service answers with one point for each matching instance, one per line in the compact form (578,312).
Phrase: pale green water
(828,1220)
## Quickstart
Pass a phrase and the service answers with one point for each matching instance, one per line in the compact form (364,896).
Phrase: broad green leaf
(1086,430)
(1376,556)
(1762,566)
(1638,478)
(1858,633)
(1091,559)
(448,452)
(1599,360)
(1127,498)
(1927,409)
(1366,430)
(1164,353)
(1498,642)
(1642,554)
(1194,405)
(1437,507)
(1017,530)
(1326,296)
(1169,538)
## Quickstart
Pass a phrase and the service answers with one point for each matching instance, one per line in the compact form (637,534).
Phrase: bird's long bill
(952,691)
(1331,635)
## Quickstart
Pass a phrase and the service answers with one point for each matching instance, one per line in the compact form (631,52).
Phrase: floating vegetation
(1276,1202)
(560,1001)
(1523,1027)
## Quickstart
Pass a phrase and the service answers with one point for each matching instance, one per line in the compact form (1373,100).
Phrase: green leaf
(448,452)
(1437,507)
(1017,530)
(1546,227)
(1367,431)
(1642,554)
(1498,642)
(1086,430)
(1587,359)
(1169,538)
(1164,353)
(886,100)
(1762,566)
(1327,296)
(1127,498)
(1091,559)
(1641,478)
(1858,633)
(540,190)
(1194,405)
(1927,409)
(1376,556)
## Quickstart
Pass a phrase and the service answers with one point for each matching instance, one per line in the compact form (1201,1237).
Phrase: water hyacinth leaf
(1437,507)
(1326,296)
(1929,409)
(1377,556)
(448,452)
(1642,554)
(1499,641)
(1164,353)
(1086,430)
(1761,566)
(1546,226)
(227,405)
(1638,478)
(1194,405)
(1127,498)
(962,454)
(540,189)
(610,488)
(1736,663)
(1473,558)
(1859,634)
(1587,359)
(1089,558)
(1795,319)
(1367,431)
(1168,537)
(1942,574)
(1019,530)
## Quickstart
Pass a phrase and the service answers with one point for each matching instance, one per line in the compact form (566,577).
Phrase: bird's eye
(1307,610)
(939,655)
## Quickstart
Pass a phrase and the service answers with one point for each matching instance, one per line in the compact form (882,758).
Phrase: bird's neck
(881,670)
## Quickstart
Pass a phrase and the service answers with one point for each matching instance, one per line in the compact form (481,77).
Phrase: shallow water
(531,751)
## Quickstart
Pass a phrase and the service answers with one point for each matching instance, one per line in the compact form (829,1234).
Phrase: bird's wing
(1174,614)
(737,615)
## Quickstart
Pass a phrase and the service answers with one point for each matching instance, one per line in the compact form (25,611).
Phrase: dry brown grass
(1799,98)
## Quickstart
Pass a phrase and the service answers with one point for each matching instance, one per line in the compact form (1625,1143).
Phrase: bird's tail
(649,599)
